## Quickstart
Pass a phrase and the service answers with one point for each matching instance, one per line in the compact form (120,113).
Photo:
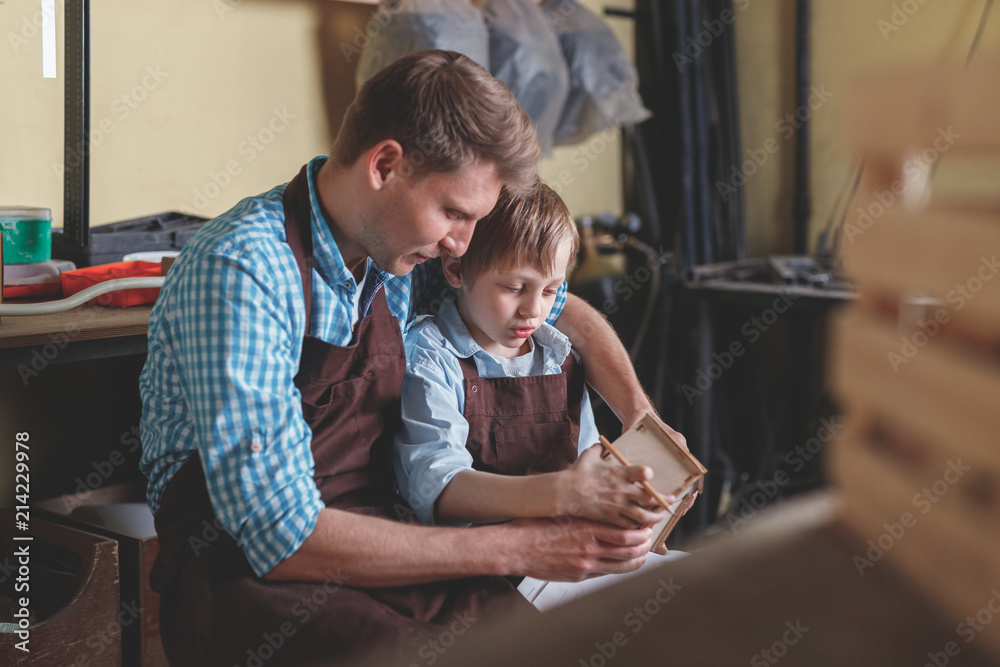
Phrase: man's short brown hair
(521,230)
(446,112)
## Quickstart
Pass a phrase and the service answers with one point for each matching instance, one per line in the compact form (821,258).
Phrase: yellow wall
(230,64)
(180,90)
(850,39)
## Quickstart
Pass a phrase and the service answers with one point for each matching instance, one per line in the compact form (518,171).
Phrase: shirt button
(474,389)
(256,447)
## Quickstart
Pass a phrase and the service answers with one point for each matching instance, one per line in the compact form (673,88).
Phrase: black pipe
(730,121)
(701,83)
(689,234)
(802,206)
(76,127)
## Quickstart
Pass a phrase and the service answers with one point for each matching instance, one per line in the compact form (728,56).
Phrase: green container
(27,234)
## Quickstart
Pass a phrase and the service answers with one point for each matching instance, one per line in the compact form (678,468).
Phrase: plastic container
(35,281)
(110,243)
(27,234)
(81,279)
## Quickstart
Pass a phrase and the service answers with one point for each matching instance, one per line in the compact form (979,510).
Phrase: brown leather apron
(215,611)
(523,425)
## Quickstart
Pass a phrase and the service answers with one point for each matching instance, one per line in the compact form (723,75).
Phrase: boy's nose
(531,306)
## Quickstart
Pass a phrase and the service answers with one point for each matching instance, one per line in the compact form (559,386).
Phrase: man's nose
(458,238)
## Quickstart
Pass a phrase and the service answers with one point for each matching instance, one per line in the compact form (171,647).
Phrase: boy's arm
(429,448)
(591,488)
(608,367)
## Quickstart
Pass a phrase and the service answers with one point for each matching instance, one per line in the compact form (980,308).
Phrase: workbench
(85,332)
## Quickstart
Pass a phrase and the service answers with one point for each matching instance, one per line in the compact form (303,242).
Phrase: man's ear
(452,269)
(385,162)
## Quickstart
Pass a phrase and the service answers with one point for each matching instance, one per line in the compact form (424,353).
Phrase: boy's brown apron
(523,425)
(215,611)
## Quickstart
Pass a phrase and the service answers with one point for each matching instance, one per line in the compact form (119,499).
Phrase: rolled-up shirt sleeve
(430,448)
(237,347)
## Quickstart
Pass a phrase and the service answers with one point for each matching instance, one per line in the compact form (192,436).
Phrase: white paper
(49,39)
(546,595)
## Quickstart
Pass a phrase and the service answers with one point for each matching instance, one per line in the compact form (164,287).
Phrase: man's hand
(636,416)
(572,549)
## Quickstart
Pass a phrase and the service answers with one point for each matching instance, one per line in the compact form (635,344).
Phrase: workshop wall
(197,104)
(850,39)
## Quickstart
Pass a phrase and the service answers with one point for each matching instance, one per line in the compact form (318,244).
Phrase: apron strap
(298,231)
(469,370)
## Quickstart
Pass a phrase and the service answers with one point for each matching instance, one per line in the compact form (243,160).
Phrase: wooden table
(85,332)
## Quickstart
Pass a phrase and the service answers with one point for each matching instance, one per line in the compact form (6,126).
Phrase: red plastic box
(80,279)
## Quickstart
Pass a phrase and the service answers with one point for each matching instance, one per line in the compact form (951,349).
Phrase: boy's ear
(385,161)
(452,269)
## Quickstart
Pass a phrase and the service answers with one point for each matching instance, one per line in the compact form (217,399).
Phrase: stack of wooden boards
(916,361)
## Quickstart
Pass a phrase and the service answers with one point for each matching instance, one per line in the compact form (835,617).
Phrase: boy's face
(503,308)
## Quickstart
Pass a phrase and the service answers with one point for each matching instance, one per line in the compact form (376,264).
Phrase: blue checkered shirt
(225,340)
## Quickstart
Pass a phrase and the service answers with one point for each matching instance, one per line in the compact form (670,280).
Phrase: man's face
(416,218)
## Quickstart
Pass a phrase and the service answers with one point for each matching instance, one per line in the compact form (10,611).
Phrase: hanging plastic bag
(525,54)
(603,82)
(416,25)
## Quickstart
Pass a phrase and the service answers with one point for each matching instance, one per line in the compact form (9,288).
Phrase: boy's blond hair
(521,230)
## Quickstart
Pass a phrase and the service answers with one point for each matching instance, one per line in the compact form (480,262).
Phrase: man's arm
(608,366)
(372,552)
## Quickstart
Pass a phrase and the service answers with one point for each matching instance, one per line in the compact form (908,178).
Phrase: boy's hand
(596,489)
(636,416)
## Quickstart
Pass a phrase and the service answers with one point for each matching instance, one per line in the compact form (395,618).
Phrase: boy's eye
(512,288)
(554,291)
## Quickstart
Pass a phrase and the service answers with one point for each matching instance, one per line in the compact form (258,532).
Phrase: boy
(497,423)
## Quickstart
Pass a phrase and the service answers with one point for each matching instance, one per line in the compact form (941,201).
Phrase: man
(271,393)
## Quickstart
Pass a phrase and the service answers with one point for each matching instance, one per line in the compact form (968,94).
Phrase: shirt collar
(449,323)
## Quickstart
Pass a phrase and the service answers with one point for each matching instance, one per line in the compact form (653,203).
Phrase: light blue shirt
(430,449)
(225,340)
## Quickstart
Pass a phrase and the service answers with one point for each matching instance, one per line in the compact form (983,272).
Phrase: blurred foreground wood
(785,590)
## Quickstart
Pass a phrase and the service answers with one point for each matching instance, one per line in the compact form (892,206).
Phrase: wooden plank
(950,256)
(82,323)
(893,113)
(932,474)
(940,549)
(944,392)
(66,636)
